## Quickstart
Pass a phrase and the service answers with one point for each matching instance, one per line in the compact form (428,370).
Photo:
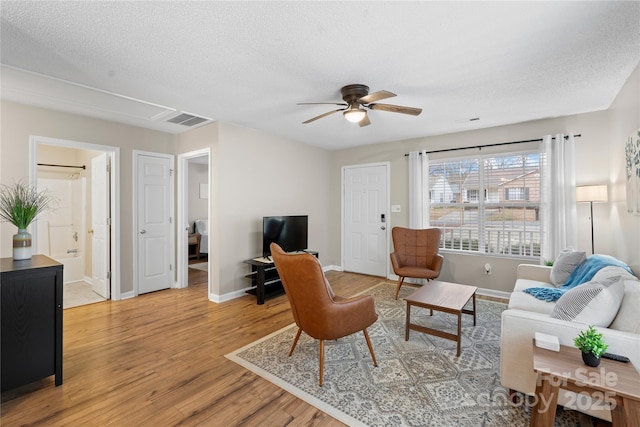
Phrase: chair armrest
(351,315)
(437,263)
(539,273)
(395,262)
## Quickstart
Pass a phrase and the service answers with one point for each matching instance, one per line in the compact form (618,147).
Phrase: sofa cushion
(564,265)
(627,319)
(592,303)
(521,301)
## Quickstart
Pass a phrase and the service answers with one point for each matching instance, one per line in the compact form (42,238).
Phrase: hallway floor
(79,293)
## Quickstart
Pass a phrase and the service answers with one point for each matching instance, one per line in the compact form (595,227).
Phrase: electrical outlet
(487,269)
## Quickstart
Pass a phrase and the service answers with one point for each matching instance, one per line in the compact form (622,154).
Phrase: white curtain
(557,196)
(418,189)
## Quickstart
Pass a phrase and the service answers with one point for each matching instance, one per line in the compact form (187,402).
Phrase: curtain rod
(480,147)
(62,166)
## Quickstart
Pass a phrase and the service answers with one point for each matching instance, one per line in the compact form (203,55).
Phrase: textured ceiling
(249,63)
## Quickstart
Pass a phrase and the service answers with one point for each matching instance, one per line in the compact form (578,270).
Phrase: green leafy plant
(591,341)
(21,203)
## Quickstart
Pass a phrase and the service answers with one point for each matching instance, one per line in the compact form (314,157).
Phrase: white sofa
(527,315)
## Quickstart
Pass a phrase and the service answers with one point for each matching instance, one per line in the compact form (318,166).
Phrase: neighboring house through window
(504,221)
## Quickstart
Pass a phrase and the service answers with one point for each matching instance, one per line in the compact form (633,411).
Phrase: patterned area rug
(204,266)
(419,382)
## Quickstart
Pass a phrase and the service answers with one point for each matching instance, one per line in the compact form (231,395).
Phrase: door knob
(143,231)
(90,231)
(383,227)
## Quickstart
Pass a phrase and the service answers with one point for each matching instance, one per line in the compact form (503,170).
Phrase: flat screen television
(289,232)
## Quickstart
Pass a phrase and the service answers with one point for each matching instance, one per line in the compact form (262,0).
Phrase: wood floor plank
(158,360)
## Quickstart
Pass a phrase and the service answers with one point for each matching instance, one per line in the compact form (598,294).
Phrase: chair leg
(400,280)
(321,354)
(373,356)
(295,341)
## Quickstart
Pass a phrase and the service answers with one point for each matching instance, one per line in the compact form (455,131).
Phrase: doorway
(194,213)
(67,170)
(365,219)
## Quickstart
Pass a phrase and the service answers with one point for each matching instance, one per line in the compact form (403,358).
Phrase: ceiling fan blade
(322,103)
(396,109)
(364,122)
(322,115)
(376,96)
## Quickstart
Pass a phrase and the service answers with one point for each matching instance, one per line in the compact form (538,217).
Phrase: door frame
(387,165)
(114,194)
(135,154)
(182,280)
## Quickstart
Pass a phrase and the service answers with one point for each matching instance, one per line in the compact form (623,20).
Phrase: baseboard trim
(127,295)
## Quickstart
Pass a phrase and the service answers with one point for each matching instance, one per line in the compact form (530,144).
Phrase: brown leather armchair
(316,309)
(416,254)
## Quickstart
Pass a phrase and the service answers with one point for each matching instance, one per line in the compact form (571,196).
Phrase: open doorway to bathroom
(77,230)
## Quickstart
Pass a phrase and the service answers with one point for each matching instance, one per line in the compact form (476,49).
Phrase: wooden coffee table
(441,296)
(612,383)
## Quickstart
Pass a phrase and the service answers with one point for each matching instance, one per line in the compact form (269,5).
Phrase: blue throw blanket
(582,273)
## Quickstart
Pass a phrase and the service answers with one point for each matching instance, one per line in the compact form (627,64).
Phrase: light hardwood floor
(158,360)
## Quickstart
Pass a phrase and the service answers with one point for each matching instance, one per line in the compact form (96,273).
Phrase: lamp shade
(591,193)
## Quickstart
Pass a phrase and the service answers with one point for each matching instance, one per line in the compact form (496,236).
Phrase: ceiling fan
(357,100)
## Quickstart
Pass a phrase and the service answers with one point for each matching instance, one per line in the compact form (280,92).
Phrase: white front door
(100,225)
(365,220)
(154,211)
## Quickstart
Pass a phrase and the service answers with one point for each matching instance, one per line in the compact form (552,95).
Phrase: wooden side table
(194,245)
(612,383)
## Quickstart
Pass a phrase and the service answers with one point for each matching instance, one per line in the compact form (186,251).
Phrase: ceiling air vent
(187,119)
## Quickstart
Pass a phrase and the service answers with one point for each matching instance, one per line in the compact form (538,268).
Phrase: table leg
(406,331)
(474,309)
(459,331)
(543,413)
(260,285)
(625,413)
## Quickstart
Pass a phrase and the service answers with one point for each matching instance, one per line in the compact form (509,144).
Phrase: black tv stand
(265,280)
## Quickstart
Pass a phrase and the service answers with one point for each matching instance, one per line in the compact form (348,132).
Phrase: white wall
(19,122)
(198,208)
(599,159)
(256,175)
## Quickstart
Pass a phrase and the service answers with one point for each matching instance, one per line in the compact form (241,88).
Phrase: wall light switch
(395,208)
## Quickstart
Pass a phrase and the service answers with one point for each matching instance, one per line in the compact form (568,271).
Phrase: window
(504,221)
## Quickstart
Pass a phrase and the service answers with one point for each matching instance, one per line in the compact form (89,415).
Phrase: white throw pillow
(592,303)
(564,265)
(628,319)
(612,271)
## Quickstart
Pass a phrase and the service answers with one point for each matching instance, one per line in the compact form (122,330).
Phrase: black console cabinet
(265,280)
(31,304)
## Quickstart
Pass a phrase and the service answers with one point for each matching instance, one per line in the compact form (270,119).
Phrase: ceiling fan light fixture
(354,115)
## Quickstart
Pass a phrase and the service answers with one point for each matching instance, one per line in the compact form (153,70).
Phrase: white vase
(21,245)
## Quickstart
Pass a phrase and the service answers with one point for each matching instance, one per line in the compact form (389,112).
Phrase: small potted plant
(20,203)
(592,345)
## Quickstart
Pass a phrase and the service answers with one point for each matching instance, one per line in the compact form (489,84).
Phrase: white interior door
(100,225)
(365,219)
(154,242)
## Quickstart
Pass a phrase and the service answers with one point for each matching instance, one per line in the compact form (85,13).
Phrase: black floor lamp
(591,194)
